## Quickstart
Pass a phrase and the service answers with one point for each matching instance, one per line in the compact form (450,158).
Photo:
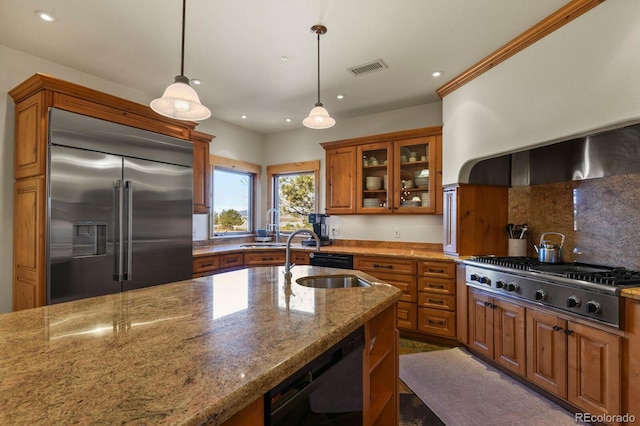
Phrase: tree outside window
(294,193)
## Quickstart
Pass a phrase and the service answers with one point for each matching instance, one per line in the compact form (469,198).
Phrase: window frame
(291,168)
(254,170)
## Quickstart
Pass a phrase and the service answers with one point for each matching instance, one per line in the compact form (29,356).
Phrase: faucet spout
(287,261)
(273,225)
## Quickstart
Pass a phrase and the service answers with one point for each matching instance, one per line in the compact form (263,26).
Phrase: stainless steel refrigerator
(120,203)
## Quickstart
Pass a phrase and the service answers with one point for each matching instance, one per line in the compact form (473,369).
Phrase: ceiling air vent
(370,67)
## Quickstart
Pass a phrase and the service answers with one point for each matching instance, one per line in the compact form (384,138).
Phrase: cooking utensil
(549,252)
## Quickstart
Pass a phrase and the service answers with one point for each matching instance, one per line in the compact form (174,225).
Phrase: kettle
(548,252)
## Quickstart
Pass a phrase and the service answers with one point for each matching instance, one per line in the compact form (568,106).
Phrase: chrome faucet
(273,225)
(287,259)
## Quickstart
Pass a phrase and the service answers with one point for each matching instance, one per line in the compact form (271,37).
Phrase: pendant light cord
(319,103)
(184,8)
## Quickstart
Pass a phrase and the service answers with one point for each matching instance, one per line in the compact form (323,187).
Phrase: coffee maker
(320,227)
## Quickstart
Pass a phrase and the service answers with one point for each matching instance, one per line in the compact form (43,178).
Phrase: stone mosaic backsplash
(597,216)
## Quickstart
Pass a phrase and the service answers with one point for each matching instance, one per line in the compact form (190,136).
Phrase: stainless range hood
(611,153)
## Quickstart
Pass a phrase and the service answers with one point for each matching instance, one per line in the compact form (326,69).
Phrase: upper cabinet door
(341,180)
(414,182)
(375,178)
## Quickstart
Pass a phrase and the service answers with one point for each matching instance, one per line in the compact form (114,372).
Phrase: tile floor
(413,412)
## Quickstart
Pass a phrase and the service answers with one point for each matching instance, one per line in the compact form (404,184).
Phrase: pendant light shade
(179,100)
(319,117)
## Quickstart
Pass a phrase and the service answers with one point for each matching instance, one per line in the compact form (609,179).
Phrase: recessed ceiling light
(288,120)
(284,58)
(340,96)
(45,16)
(436,73)
(243,116)
(196,81)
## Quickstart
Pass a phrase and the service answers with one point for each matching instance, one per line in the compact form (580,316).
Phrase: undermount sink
(333,281)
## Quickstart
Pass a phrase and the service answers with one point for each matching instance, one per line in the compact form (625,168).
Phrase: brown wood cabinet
(474,220)
(341,180)
(497,330)
(578,363)
(264,258)
(356,170)
(631,358)
(201,172)
(437,298)
(400,273)
(380,364)
(33,98)
(300,257)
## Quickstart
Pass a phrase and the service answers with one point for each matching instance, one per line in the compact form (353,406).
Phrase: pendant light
(179,100)
(319,117)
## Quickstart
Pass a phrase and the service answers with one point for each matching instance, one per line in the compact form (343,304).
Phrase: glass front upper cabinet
(414,180)
(375,175)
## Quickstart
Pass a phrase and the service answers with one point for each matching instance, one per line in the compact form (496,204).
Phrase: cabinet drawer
(300,257)
(435,321)
(438,269)
(205,264)
(406,283)
(407,315)
(437,285)
(231,260)
(385,264)
(437,301)
(264,258)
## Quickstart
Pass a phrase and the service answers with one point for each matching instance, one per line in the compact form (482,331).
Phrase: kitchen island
(191,352)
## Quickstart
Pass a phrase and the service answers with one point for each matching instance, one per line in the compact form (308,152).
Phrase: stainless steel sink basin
(332,281)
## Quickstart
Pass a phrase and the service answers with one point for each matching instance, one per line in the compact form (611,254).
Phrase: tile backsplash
(597,216)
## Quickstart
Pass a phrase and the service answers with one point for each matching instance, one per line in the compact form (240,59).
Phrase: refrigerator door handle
(118,237)
(129,191)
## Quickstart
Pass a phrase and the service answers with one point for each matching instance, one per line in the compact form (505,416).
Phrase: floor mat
(462,390)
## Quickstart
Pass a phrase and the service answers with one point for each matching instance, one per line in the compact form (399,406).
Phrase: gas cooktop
(600,274)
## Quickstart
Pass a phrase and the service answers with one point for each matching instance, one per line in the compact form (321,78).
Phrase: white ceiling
(235,46)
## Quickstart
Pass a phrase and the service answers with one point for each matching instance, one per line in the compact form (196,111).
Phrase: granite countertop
(190,352)
(409,253)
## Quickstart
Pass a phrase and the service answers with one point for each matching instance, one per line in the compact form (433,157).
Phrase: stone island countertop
(190,352)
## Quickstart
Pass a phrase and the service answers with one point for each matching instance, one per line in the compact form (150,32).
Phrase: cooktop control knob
(573,302)
(541,295)
(484,280)
(474,277)
(512,286)
(593,307)
(501,284)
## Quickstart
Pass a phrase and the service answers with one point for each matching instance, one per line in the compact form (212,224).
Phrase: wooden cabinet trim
(384,137)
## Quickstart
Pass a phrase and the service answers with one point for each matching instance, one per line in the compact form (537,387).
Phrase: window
(293,192)
(234,188)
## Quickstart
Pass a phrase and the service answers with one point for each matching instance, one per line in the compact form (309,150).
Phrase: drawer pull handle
(437,271)
(204,265)
(375,265)
(229,260)
(438,302)
(436,285)
(434,322)
(556,328)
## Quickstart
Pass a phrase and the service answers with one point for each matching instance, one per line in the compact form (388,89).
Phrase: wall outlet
(396,232)
(335,231)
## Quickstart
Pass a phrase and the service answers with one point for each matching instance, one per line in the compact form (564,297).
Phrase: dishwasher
(331,260)
(326,391)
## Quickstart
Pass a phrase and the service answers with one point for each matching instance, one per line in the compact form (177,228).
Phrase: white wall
(304,145)
(581,78)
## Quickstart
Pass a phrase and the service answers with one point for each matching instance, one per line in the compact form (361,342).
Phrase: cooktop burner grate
(606,275)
